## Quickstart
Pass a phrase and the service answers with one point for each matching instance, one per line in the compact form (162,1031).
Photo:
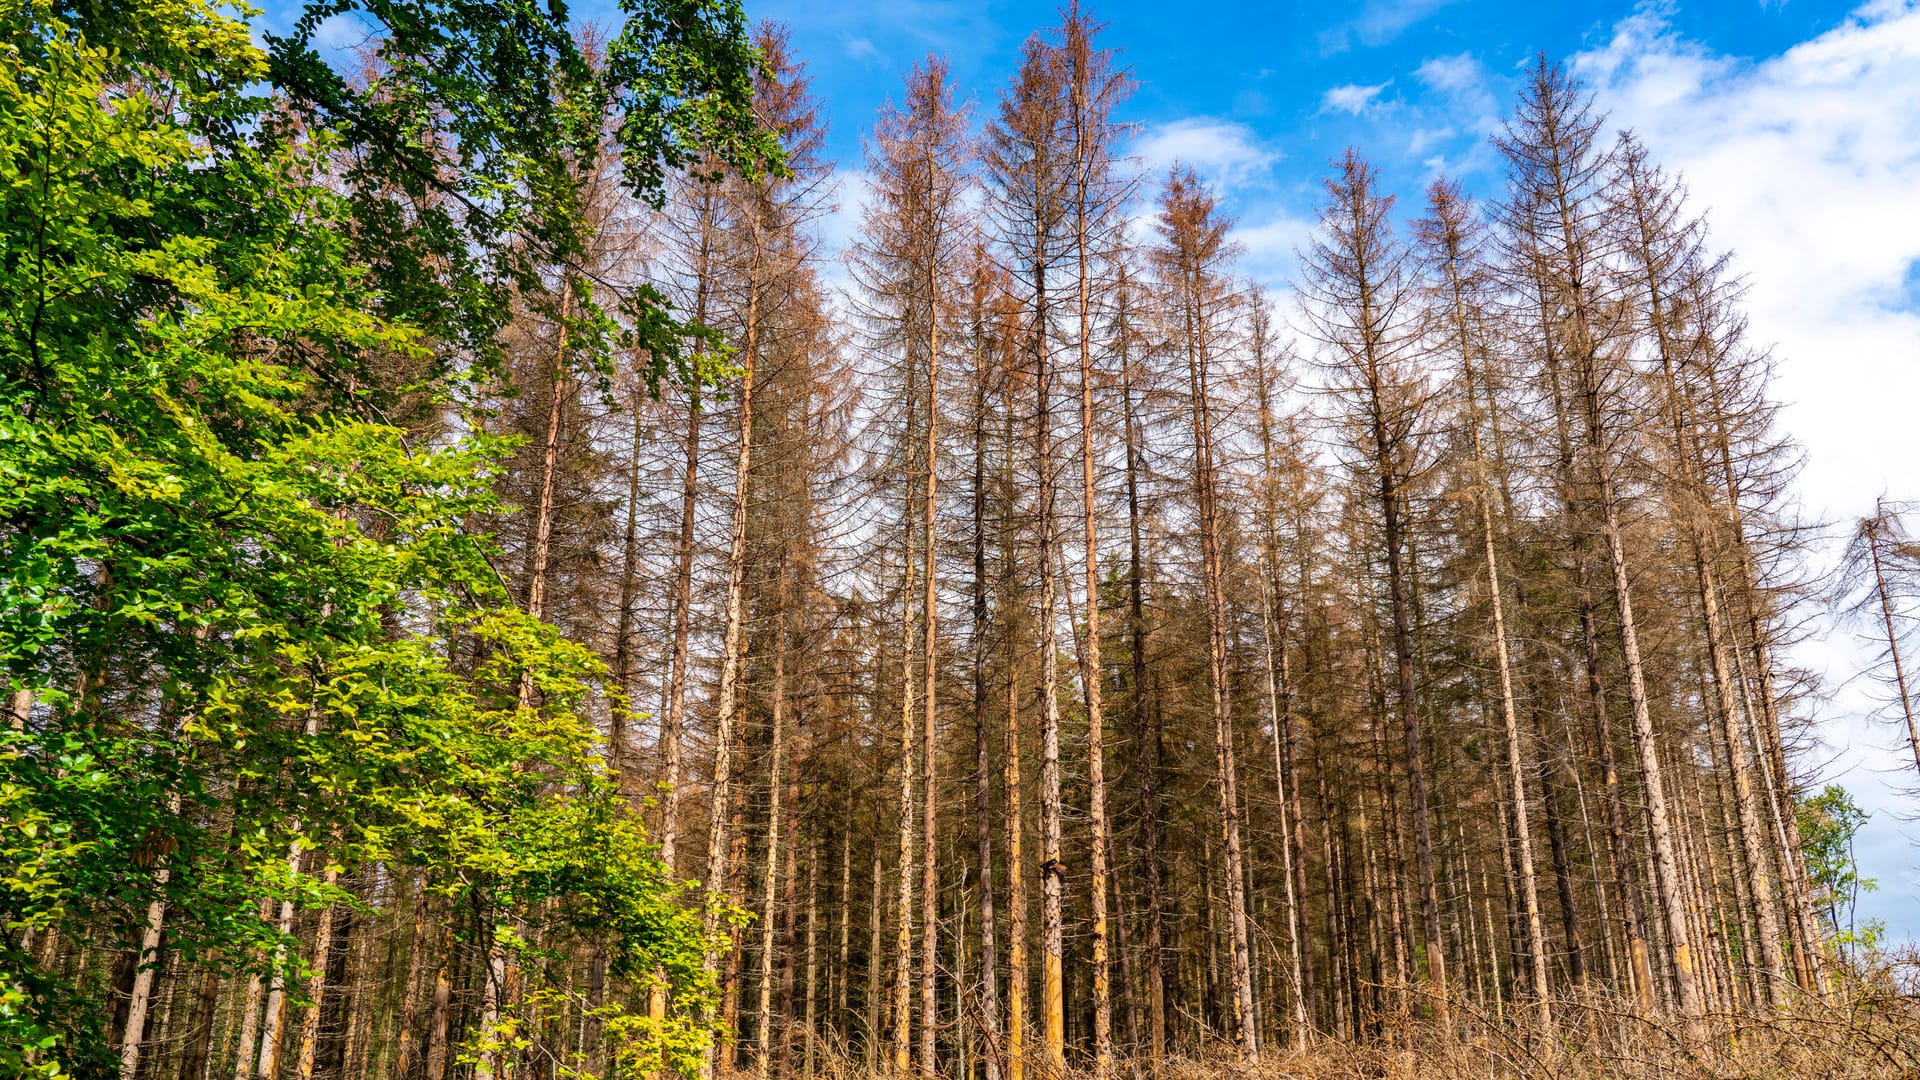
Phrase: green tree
(1829,820)
(228,606)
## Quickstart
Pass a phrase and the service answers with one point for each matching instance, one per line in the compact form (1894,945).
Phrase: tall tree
(1190,259)
(1448,237)
(1363,306)
(1556,172)
(1094,89)
(1030,170)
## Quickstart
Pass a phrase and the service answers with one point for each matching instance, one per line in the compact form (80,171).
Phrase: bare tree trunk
(267,1065)
(1145,764)
(1192,285)
(903,933)
(1052,872)
(989,1008)
(1447,237)
(680,618)
(1873,531)
(720,800)
(1808,955)
(1301,1025)
(763,1062)
(1666,870)
(1016,867)
(877,912)
(437,1029)
(842,982)
(930,664)
(410,994)
(249,1016)
(1089,95)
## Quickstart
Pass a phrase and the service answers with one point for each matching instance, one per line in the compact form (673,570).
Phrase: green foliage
(467,137)
(252,622)
(1829,819)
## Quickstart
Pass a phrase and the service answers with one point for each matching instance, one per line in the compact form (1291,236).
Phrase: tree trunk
(316,988)
(763,1062)
(929,737)
(720,800)
(1145,763)
(989,1008)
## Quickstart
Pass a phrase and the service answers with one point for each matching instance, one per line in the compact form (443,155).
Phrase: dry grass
(1868,1029)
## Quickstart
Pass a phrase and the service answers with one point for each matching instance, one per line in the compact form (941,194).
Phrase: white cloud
(1462,83)
(1424,139)
(1808,165)
(1221,151)
(1353,98)
(1272,248)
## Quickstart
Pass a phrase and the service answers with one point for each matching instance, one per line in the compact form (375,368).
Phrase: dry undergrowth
(1867,1030)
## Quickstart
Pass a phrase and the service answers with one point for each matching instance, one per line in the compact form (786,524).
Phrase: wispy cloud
(1461,82)
(1271,249)
(863,50)
(1379,22)
(1353,98)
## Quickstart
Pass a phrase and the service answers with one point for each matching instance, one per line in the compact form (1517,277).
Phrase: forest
(490,591)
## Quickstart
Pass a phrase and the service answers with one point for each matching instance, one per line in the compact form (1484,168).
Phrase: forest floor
(1869,1030)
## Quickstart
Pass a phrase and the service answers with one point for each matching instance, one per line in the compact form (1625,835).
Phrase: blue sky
(1796,124)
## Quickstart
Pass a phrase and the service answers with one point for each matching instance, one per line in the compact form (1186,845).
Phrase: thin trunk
(199,1033)
(437,1036)
(842,979)
(147,964)
(929,744)
(1145,765)
(720,801)
(903,933)
(1874,529)
(250,1016)
(316,988)
(1450,242)
(876,914)
(1016,865)
(989,1008)
(1052,871)
(813,954)
(1692,511)
(1640,963)
(1086,125)
(1808,955)
(1225,767)
(1665,867)
(1301,1025)
(763,1063)
(410,994)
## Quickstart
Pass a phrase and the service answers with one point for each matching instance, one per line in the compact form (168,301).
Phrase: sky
(1794,123)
